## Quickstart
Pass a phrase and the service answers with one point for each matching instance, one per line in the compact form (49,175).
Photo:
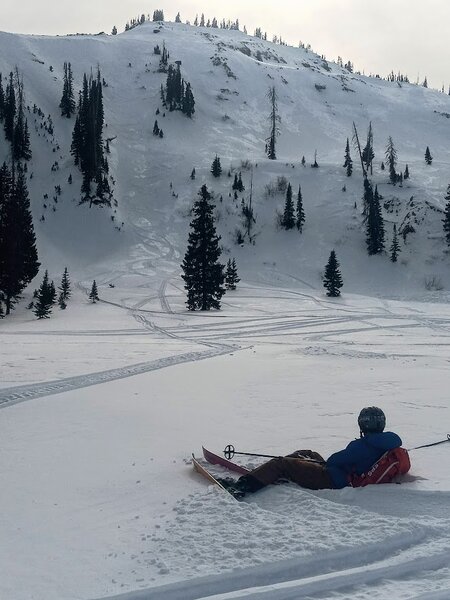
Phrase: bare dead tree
(358,147)
(274,119)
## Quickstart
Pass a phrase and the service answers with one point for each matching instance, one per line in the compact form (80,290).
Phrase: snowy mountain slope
(230,88)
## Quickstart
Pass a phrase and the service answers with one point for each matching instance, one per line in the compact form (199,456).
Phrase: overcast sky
(411,36)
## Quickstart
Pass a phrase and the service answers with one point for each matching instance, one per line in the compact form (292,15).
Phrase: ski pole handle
(229,452)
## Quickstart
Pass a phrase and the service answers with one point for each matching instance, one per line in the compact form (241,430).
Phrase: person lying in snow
(309,470)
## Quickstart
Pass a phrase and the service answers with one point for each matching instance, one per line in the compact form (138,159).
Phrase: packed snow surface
(102,405)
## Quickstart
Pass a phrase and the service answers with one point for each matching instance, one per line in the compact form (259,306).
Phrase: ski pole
(229,452)
(433,444)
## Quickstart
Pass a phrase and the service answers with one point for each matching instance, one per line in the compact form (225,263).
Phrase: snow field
(98,497)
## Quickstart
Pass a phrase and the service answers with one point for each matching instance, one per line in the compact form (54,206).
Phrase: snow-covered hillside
(103,404)
(318,101)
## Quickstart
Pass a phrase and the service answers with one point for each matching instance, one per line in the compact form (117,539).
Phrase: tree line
(87,143)
(18,253)
(12,115)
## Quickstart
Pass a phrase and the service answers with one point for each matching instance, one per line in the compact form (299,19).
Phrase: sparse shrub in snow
(271,188)
(246,164)
(279,219)
(433,283)
(282,183)
(238,237)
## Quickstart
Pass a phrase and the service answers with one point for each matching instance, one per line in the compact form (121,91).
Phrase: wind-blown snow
(103,404)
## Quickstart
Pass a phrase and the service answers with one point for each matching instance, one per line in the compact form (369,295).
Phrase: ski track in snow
(14,395)
(358,557)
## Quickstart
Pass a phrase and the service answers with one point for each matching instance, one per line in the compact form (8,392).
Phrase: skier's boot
(232,487)
(247,484)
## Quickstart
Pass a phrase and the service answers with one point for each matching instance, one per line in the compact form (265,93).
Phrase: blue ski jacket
(359,456)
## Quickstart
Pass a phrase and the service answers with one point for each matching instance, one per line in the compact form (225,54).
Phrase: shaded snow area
(102,405)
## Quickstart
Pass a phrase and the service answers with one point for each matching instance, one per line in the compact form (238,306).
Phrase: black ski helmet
(371,420)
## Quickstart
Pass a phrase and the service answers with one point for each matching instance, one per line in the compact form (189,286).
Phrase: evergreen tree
(64,288)
(348,163)
(67,104)
(178,93)
(178,18)
(240,185)
(446,219)
(158,15)
(193,174)
(288,220)
(18,255)
(395,246)
(155,128)
(9,109)
(93,295)
(368,154)
(216,168)
(114,30)
(2,100)
(235,185)
(77,135)
(43,303)
(428,157)
(202,20)
(367,198)
(406,173)
(274,119)
(188,102)
(21,149)
(391,159)
(300,220)
(332,280)
(203,274)
(164,60)
(231,275)
(52,292)
(374,226)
